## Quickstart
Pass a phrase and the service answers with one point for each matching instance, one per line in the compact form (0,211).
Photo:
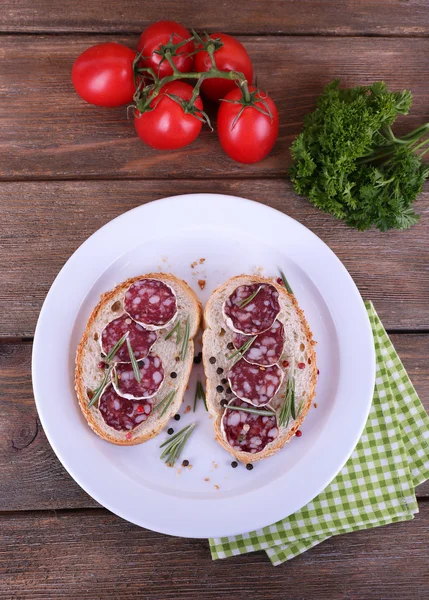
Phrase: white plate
(234,236)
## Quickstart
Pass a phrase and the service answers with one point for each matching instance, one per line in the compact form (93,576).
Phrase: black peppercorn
(173,375)
(212,360)
(230,346)
(219,388)
(185,463)
(223,402)
(228,390)
(249,467)
(177,417)
(219,370)
(224,380)
(197,360)
(234,464)
(170,431)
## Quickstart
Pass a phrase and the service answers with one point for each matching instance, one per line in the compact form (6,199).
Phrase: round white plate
(212,499)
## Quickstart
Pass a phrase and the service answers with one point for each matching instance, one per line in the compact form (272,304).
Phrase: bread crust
(145,433)
(285,435)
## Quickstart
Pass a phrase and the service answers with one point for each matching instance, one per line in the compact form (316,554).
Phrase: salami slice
(247,431)
(140,338)
(151,302)
(151,373)
(258,315)
(122,414)
(253,383)
(267,349)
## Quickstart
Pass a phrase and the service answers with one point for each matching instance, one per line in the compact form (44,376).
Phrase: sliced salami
(140,338)
(258,314)
(151,378)
(267,349)
(247,431)
(122,414)
(151,303)
(253,383)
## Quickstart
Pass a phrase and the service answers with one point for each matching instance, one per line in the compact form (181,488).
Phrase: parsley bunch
(349,163)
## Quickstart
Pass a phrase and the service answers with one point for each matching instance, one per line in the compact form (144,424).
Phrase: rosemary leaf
(242,351)
(134,363)
(100,388)
(185,338)
(116,347)
(165,402)
(199,394)
(288,408)
(175,444)
(254,411)
(285,282)
(175,328)
(249,299)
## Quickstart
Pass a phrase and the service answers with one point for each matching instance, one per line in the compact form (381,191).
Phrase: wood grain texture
(31,475)
(44,222)
(333,17)
(49,132)
(95,555)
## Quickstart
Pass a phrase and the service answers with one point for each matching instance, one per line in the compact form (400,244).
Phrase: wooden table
(67,168)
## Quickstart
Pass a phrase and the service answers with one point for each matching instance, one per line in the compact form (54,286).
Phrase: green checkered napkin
(376,486)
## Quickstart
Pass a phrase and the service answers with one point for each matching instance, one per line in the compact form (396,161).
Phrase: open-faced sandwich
(135,357)
(260,365)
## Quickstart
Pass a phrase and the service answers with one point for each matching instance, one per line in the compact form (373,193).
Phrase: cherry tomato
(167,126)
(103,75)
(161,33)
(231,57)
(253,135)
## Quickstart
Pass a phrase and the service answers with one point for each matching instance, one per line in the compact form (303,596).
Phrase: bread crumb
(216,487)
(207,479)
(315,405)
(202,260)
(202,283)
(194,264)
(187,409)
(189,467)
(169,464)
(164,258)
(179,470)
(214,464)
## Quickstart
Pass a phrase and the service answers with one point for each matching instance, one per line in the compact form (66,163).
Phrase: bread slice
(298,348)
(88,374)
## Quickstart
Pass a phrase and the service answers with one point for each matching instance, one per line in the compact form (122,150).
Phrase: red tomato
(254,133)
(231,57)
(167,126)
(158,34)
(103,75)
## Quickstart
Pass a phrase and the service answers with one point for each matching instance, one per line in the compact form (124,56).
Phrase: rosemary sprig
(242,350)
(100,389)
(134,363)
(185,338)
(285,282)
(165,402)
(254,411)
(175,444)
(176,329)
(199,394)
(116,347)
(288,408)
(249,299)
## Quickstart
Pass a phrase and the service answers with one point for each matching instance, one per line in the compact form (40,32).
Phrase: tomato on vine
(172,121)
(103,75)
(229,55)
(247,130)
(165,36)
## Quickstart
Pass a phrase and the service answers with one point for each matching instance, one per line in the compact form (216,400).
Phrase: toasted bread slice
(298,349)
(89,375)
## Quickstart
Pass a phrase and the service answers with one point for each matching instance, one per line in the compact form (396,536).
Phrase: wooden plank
(48,132)
(31,475)
(389,268)
(89,555)
(336,17)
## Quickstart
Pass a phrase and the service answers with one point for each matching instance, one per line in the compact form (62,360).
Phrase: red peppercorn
(102,365)
(318,372)
(140,408)
(301,365)
(128,436)
(298,433)
(285,363)
(279,280)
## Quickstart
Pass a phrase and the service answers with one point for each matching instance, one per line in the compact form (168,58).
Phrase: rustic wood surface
(67,168)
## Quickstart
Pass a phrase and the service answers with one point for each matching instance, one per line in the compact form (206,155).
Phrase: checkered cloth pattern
(377,484)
